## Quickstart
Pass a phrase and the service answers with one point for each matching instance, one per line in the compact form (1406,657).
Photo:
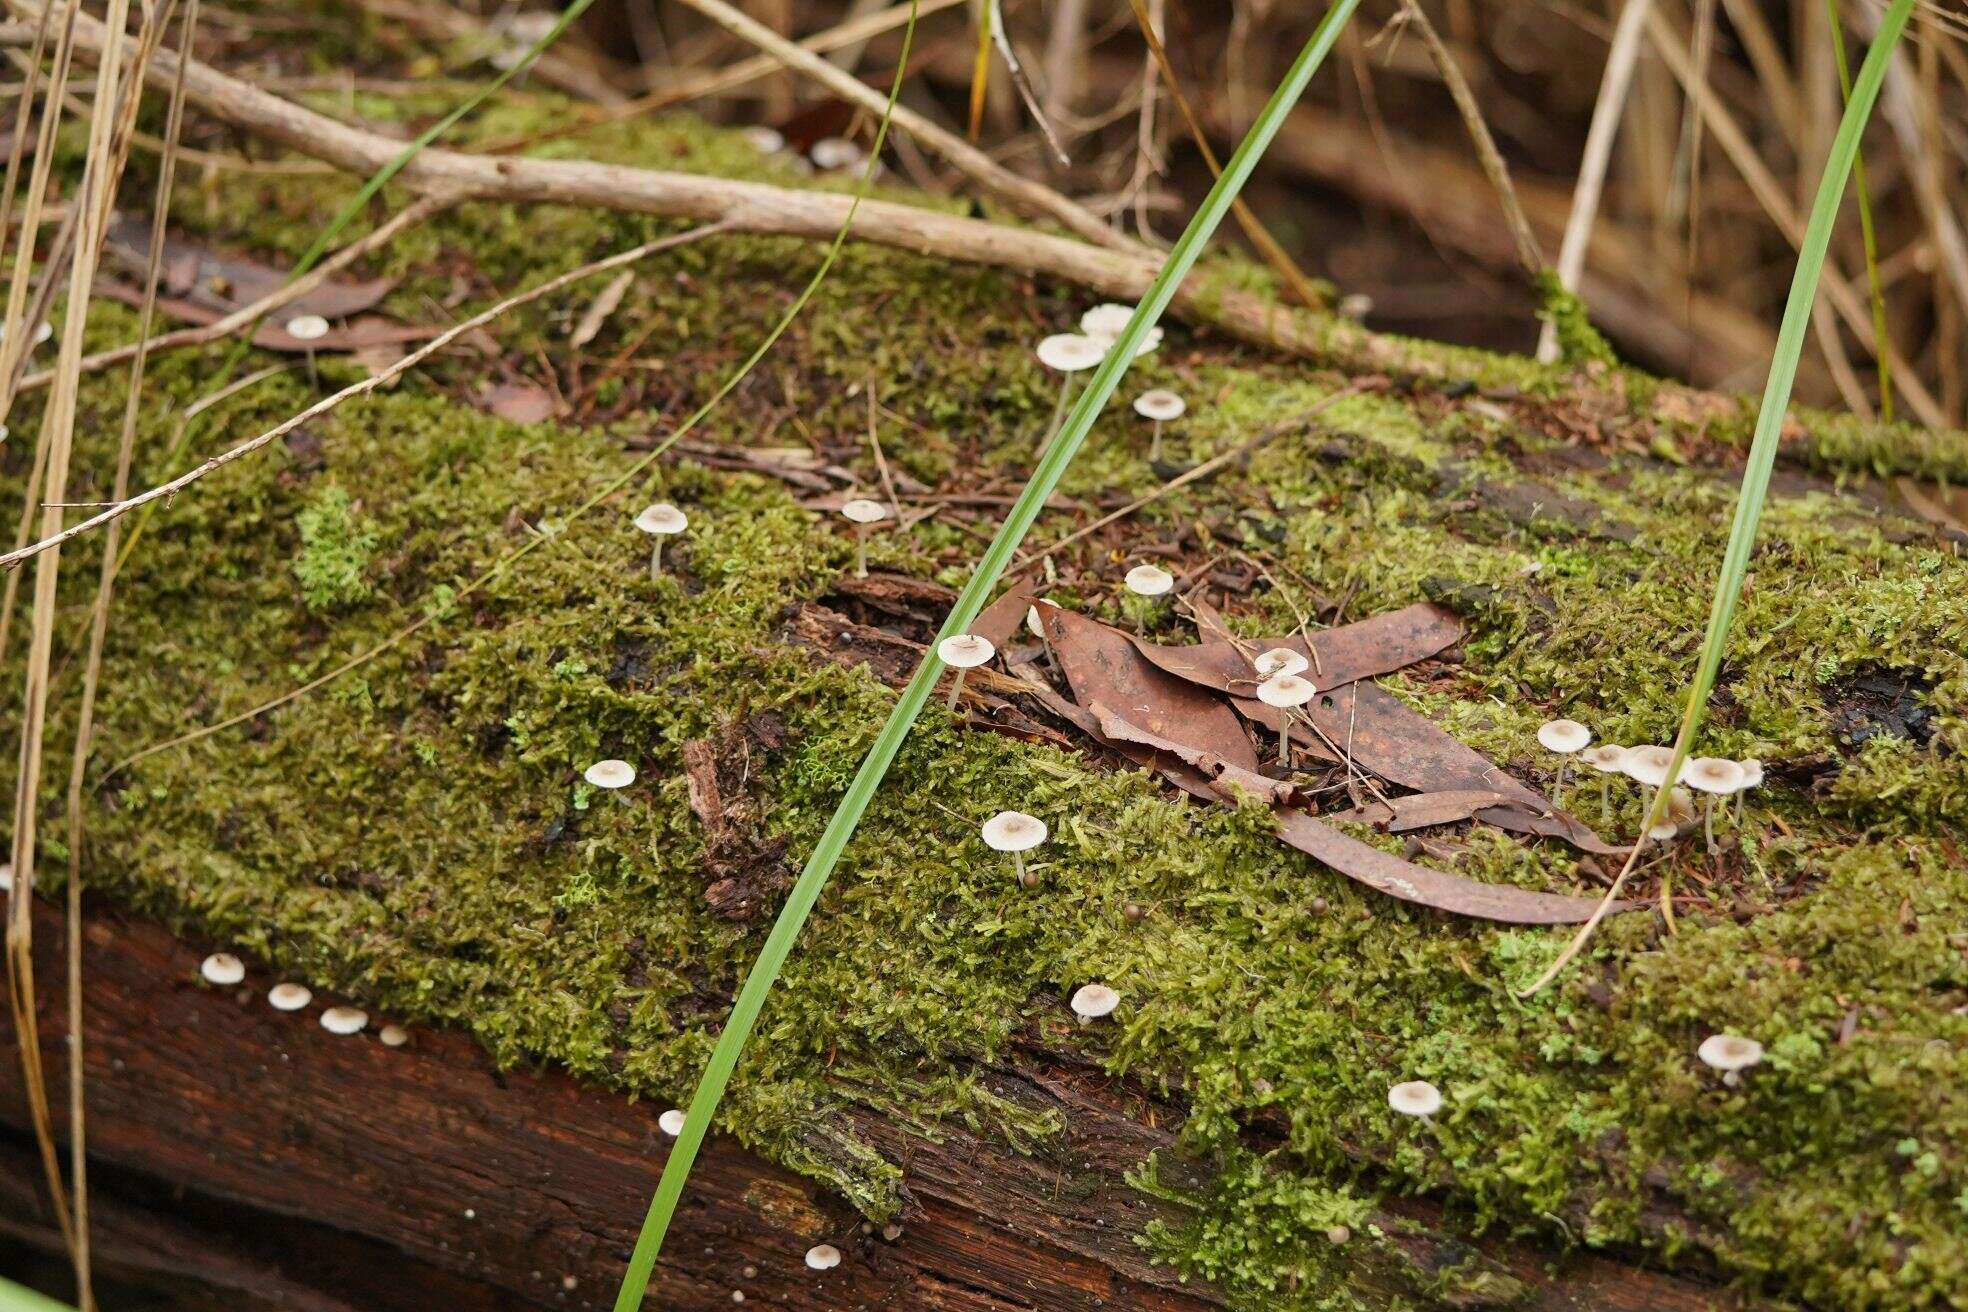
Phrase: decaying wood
(246,1154)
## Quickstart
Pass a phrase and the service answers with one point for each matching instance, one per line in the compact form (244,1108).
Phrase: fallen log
(246,1153)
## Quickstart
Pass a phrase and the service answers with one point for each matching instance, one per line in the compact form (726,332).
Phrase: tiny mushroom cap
(610,774)
(1068,353)
(823,1257)
(1092,1001)
(765,140)
(671,1122)
(1149,580)
(1648,765)
(344,1020)
(6,877)
(863,511)
(307,327)
(1752,772)
(1284,690)
(1034,622)
(662,519)
(1160,404)
(1606,758)
(1729,1052)
(1415,1098)
(1106,320)
(393,1035)
(835,153)
(1563,736)
(533,25)
(1714,774)
(1281,660)
(222,968)
(1014,831)
(289,997)
(965,651)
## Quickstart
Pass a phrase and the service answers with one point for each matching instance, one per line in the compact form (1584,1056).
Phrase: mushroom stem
(1155,444)
(1018,862)
(956,688)
(1284,738)
(1708,821)
(656,559)
(860,551)
(1558,789)
(1740,795)
(1605,800)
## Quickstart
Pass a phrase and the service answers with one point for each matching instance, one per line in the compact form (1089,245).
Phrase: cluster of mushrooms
(224,970)
(1714,777)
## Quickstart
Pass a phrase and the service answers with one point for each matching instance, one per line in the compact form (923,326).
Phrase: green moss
(336,549)
(416,834)
(1578,341)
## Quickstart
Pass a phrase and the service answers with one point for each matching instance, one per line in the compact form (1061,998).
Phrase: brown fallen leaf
(1383,736)
(214,283)
(1102,664)
(1362,862)
(364,332)
(600,308)
(1398,815)
(521,403)
(1004,619)
(1364,650)
(1409,882)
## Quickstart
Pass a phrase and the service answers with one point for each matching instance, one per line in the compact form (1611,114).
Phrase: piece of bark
(248,1155)
(1339,656)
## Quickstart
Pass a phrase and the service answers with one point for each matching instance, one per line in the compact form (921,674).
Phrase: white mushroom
(1280,660)
(864,515)
(1092,1001)
(963,653)
(765,140)
(671,1122)
(307,327)
(1415,1098)
(1149,580)
(1108,321)
(610,775)
(1729,1053)
(1608,759)
(1282,692)
(660,520)
(1066,354)
(222,969)
(1016,833)
(1648,764)
(831,153)
(823,1257)
(1713,777)
(6,877)
(1159,406)
(289,997)
(532,27)
(344,1020)
(1563,737)
(393,1035)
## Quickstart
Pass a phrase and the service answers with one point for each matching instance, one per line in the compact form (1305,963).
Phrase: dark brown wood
(248,1153)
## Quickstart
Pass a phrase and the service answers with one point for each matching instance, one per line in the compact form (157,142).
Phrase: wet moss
(415,834)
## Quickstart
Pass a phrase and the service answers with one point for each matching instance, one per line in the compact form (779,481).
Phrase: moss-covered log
(415,835)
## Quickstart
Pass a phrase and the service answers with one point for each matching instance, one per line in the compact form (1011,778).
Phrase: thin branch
(1032,198)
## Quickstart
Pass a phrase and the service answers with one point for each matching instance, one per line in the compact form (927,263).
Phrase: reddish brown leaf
(215,283)
(522,403)
(1103,665)
(1409,882)
(1204,775)
(1004,619)
(1364,650)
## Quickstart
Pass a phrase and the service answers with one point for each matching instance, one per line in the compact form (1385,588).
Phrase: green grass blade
(18,1298)
(1881,341)
(840,828)
(1763,446)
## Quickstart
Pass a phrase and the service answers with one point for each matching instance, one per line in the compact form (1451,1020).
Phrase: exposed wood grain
(247,1152)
